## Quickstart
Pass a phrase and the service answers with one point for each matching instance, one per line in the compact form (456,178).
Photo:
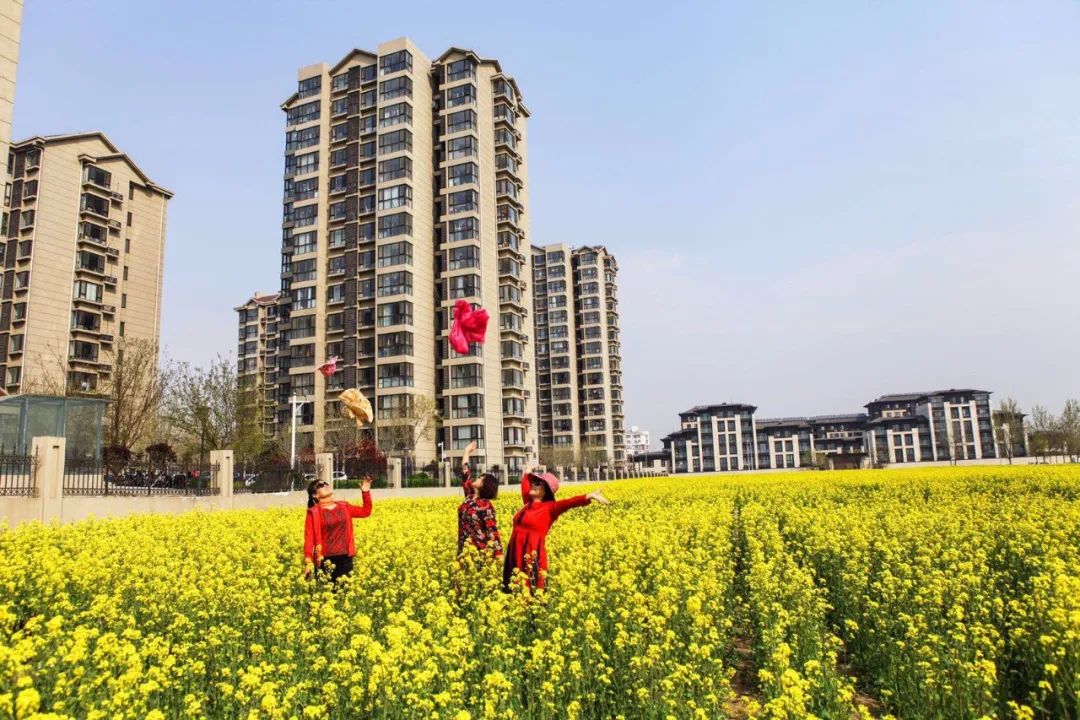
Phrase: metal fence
(90,476)
(17,475)
(268,478)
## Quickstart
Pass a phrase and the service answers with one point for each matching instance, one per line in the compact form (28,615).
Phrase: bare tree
(1069,427)
(1044,428)
(135,388)
(553,456)
(414,420)
(1008,427)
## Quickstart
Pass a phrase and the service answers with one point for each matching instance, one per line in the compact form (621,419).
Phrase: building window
(365,289)
(466,376)
(303,298)
(339,107)
(304,243)
(460,69)
(461,95)
(461,147)
(396,375)
(463,174)
(398,253)
(463,286)
(309,87)
(505,162)
(337,211)
(464,229)
(15,344)
(465,406)
(300,139)
(395,115)
(338,184)
(395,283)
(460,121)
(504,112)
(506,187)
(14,374)
(82,350)
(400,167)
(94,204)
(463,201)
(505,137)
(339,158)
(395,142)
(302,114)
(460,437)
(395,313)
(303,189)
(99,177)
(395,197)
(29,189)
(301,164)
(397,224)
(340,82)
(305,215)
(90,261)
(396,343)
(336,241)
(339,132)
(395,88)
(395,62)
(335,293)
(467,256)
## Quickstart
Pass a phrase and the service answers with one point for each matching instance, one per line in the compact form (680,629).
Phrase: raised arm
(525,483)
(364,510)
(466,468)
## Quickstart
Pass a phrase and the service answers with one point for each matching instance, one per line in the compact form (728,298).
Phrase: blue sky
(811,203)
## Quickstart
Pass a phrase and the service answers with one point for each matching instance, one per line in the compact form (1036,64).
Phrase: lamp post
(297,404)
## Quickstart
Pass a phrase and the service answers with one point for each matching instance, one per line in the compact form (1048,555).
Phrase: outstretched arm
(560,506)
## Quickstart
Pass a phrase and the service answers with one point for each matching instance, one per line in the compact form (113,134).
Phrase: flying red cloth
(469,326)
(329,367)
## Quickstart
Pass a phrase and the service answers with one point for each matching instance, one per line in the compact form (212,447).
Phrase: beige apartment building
(256,350)
(83,261)
(405,191)
(579,371)
(10,31)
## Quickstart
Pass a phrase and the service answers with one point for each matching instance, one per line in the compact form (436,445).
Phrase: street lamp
(297,404)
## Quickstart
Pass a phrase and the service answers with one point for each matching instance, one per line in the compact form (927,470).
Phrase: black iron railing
(17,475)
(90,476)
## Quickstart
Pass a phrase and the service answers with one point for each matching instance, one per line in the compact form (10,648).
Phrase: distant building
(256,349)
(902,428)
(637,441)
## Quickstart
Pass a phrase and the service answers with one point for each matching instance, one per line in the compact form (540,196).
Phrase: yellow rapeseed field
(927,593)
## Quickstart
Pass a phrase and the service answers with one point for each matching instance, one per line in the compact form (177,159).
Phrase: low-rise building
(944,425)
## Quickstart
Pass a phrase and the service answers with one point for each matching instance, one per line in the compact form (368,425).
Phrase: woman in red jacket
(328,531)
(527,549)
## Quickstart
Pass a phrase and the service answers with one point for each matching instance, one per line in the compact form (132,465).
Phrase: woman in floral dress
(476,516)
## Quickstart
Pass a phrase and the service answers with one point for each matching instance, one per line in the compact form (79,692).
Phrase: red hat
(551,480)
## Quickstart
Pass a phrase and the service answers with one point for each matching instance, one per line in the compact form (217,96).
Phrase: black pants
(339,565)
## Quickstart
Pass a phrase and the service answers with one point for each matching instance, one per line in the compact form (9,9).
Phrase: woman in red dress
(527,549)
(476,516)
(328,530)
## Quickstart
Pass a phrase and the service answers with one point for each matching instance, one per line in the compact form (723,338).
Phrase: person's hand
(308,570)
(471,448)
(365,484)
(598,497)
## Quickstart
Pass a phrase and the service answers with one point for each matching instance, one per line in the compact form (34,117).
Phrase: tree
(203,405)
(1069,428)
(1044,430)
(413,420)
(1008,426)
(135,388)
(553,456)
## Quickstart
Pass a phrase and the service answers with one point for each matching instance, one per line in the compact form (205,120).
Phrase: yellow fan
(354,405)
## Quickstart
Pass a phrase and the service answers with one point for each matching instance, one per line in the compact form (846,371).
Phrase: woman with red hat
(527,549)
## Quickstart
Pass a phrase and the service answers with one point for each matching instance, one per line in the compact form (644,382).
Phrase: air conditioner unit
(118,197)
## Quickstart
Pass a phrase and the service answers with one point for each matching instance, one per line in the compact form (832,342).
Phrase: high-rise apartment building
(10,32)
(404,192)
(256,351)
(579,372)
(83,260)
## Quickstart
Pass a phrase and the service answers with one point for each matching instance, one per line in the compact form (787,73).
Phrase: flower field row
(941,593)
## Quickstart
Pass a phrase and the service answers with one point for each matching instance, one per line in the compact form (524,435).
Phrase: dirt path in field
(744,683)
